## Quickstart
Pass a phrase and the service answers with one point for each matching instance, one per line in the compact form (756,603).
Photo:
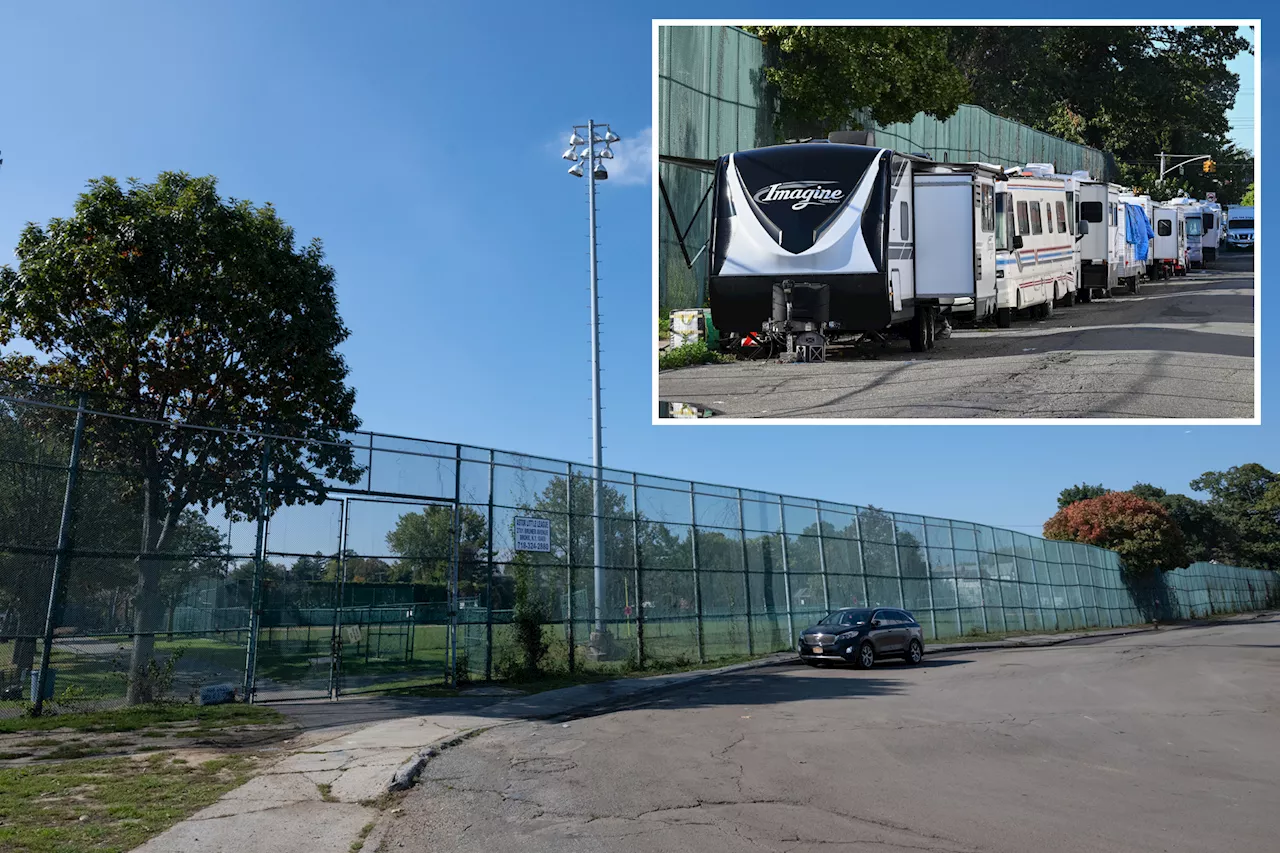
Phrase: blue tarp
(1137,231)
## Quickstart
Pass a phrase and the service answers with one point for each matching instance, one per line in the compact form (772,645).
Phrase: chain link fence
(382,562)
(713,100)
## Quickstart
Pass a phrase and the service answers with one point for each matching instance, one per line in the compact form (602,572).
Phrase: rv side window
(1024,221)
(1003,226)
(1164,228)
(1062,217)
(1115,219)
(1208,221)
(1048,217)
(988,208)
(1091,211)
(1036,227)
(905,226)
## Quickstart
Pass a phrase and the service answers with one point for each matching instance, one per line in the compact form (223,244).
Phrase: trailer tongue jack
(801,311)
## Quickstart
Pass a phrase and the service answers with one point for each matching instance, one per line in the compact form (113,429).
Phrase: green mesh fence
(712,100)
(407,574)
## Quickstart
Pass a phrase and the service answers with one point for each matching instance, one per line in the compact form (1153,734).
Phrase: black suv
(861,636)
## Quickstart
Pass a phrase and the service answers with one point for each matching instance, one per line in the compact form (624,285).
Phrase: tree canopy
(1139,530)
(175,304)
(1082,492)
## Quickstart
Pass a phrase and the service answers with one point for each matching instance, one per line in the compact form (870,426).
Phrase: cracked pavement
(1182,348)
(1163,741)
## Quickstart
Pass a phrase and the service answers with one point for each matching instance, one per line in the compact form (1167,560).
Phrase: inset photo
(956,223)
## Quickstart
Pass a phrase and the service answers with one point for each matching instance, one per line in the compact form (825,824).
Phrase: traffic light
(1210,166)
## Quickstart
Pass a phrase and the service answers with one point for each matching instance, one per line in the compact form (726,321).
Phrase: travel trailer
(816,239)
(1101,248)
(955,247)
(1239,227)
(1171,239)
(1137,238)
(1211,215)
(1035,247)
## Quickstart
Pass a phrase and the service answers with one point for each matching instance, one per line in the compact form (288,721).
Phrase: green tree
(1246,200)
(181,305)
(1206,537)
(424,543)
(823,74)
(1139,530)
(1082,492)
(1245,499)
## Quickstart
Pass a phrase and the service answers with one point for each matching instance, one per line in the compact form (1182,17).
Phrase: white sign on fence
(533,534)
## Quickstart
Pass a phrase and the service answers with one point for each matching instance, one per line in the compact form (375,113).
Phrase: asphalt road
(1182,348)
(1165,741)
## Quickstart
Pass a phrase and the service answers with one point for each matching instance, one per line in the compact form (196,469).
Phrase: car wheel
(914,653)
(866,656)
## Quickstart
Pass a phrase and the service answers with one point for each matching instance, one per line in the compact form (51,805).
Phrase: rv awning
(688,162)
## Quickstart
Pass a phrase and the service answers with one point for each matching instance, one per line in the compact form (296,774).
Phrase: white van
(1240,227)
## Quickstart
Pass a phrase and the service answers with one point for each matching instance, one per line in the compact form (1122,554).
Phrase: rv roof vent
(852,137)
(1081,175)
(1039,170)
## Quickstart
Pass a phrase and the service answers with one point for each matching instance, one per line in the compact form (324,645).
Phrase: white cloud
(632,161)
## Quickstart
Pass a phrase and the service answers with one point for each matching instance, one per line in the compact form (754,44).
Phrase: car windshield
(846,617)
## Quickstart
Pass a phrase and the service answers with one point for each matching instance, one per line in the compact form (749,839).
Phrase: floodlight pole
(597,443)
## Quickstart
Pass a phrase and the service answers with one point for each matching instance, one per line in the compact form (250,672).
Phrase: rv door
(948,211)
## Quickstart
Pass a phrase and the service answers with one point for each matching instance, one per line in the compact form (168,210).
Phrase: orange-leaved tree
(1140,530)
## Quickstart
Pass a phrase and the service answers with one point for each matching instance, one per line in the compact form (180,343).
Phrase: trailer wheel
(1004,317)
(1133,285)
(1069,299)
(919,334)
(1086,294)
(1047,311)
(932,327)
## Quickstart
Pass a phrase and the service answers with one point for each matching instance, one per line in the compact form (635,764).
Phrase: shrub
(689,354)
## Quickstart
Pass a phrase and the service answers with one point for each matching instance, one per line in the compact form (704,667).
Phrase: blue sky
(421,142)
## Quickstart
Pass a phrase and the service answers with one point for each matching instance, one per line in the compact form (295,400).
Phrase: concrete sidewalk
(322,797)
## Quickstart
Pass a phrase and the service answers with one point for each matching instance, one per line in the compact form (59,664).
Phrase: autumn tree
(1139,530)
(177,305)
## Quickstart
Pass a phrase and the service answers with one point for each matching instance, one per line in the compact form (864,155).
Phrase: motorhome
(1193,222)
(1239,227)
(1071,184)
(1101,248)
(1171,239)
(815,239)
(1138,235)
(1035,247)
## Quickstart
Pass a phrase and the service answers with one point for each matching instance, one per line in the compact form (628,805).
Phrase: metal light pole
(591,162)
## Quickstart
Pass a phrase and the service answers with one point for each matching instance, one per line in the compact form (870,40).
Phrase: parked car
(861,636)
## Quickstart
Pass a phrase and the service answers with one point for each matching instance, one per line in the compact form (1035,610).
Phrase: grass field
(108,805)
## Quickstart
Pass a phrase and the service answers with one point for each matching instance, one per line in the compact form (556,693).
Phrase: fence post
(568,563)
(822,562)
(454,570)
(786,573)
(639,572)
(259,559)
(697,576)
(335,643)
(488,626)
(746,572)
(54,611)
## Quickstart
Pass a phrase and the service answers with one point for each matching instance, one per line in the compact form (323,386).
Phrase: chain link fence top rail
(404,572)
(713,100)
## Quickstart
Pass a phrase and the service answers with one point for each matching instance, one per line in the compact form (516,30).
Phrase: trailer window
(1062,217)
(1164,228)
(905,225)
(1091,211)
(1024,220)
(1115,219)
(1048,217)
(1003,225)
(1208,221)
(988,208)
(1036,226)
